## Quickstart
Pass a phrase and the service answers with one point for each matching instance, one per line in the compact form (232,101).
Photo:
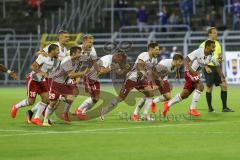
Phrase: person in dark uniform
(212,76)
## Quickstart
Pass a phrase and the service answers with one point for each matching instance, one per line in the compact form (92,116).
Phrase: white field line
(26,132)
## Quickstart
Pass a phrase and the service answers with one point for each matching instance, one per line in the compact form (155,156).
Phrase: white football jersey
(62,50)
(105,61)
(47,64)
(61,75)
(89,56)
(149,64)
(199,60)
(167,65)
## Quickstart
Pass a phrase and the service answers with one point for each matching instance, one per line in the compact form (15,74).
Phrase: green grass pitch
(212,136)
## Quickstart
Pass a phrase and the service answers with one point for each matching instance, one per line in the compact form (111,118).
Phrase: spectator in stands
(142,18)
(163,16)
(122,14)
(236,14)
(186,10)
(208,22)
(34,5)
(173,19)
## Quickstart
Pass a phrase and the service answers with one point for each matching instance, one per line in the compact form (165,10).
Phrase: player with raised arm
(193,63)
(164,68)
(37,80)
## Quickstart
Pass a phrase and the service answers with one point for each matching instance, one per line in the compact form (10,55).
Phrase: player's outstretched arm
(11,73)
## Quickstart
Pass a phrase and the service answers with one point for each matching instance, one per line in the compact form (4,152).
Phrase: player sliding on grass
(11,73)
(194,62)
(163,68)
(59,85)
(107,64)
(37,80)
(139,77)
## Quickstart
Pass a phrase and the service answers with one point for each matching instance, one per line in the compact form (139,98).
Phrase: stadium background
(24,30)
(25,27)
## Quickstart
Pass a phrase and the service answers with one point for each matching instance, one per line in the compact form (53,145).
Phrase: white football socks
(23,103)
(161,98)
(48,112)
(147,105)
(195,98)
(41,107)
(86,104)
(35,108)
(175,100)
(139,105)
(67,107)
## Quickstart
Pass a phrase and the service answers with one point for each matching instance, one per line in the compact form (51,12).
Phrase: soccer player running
(164,68)
(212,76)
(89,58)
(193,64)
(108,63)
(139,77)
(37,80)
(63,39)
(59,85)
(12,74)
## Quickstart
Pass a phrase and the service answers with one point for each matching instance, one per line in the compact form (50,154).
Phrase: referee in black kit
(212,76)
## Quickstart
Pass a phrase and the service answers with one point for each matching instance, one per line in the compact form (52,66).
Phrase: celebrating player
(106,64)
(193,64)
(59,84)
(37,80)
(139,77)
(89,58)
(164,67)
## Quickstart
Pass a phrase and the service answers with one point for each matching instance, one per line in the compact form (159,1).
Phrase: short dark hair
(210,29)
(177,57)
(152,45)
(52,47)
(121,53)
(74,50)
(208,43)
(61,31)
